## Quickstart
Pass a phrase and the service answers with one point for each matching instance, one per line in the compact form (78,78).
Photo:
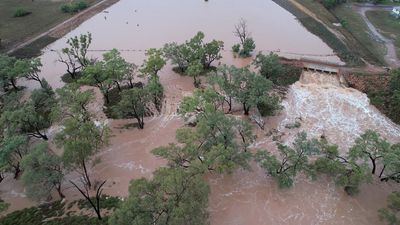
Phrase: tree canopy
(173,196)
(43,172)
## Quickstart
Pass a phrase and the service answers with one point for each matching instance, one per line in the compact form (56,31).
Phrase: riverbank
(31,45)
(342,29)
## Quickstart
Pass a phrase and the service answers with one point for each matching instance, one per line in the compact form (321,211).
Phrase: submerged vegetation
(219,138)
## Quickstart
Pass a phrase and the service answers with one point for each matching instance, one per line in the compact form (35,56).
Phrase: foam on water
(330,109)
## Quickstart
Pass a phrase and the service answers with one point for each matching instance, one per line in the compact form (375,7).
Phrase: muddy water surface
(136,25)
(244,197)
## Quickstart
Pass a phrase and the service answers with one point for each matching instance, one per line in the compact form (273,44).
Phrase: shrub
(248,47)
(329,4)
(74,7)
(236,48)
(21,12)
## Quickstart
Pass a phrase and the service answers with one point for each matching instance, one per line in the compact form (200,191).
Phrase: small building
(396,12)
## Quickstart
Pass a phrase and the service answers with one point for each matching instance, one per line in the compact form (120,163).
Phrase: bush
(272,69)
(236,48)
(268,108)
(20,12)
(329,4)
(74,7)
(248,47)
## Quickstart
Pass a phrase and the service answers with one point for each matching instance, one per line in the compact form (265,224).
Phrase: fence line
(264,51)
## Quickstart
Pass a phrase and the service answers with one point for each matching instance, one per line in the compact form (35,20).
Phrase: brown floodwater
(324,105)
(136,25)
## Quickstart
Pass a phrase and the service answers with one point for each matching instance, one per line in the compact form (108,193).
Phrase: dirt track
(63,28)
(391,57)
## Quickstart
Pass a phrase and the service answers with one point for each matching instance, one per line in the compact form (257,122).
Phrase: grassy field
(354,24)
(387,25)
(353,41)
(45,14)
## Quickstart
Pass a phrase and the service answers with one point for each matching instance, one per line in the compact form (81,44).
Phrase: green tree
(30,69)
(8,73)
(201,100)
(390,213)
(391,164)
(108,73)
(218,143)
(369,147)
(74,103)
(33,116)
(271,68)
(195,69)
(291,161)
(94,75)
(344,172)
(248,47)
(246,42)
(81,139)
(74,57)
(133,104)
(251,89)
(154,62)
(212,52)
(173,197)
(81,136)
(193,51)
(156,92)
(223,78)
(43,172)
(115,67)
(12,149)
(177,54)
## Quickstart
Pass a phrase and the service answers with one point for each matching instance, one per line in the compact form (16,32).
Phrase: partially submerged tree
(94,75)
(391,164)
(194,70)
(108,73)
(74,57)
(173,196)
(246,42)
(30,69)
(194,51)
(251,89)
(43,172)
(8,73)
(33,116)
(133,104)
(12,149)
(218,143)
(201,100)
(94,202)
(156,92)
(81,139)
(154,63)
(346,173)
(271,68)
(74,103)
(290,161)
(115,67)
(223,78)
(81,136)
(241,31)
(369,147)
